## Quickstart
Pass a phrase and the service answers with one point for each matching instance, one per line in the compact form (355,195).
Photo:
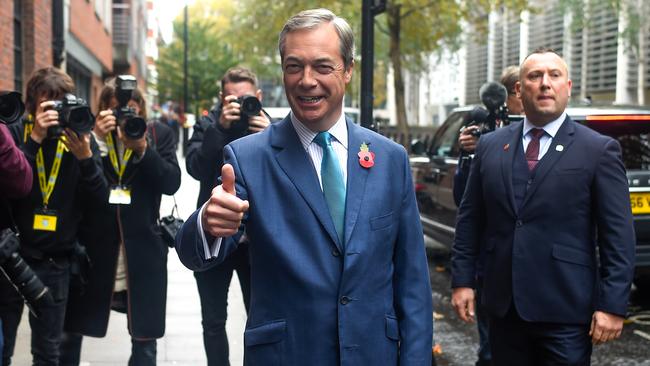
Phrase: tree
(209,56)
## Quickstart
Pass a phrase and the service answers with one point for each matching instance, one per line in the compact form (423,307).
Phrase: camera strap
(112,153)
(47,185)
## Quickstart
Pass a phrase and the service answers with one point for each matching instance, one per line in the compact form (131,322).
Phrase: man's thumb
(228,178)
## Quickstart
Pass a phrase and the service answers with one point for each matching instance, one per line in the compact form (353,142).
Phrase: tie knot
(324,139)
(536,133)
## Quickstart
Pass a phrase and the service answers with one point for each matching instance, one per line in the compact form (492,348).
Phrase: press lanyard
(112,153)
(47,186)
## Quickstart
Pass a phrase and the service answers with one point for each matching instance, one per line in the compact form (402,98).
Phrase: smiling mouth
(310,100)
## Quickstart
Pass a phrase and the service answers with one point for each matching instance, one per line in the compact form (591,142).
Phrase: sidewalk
(183,341)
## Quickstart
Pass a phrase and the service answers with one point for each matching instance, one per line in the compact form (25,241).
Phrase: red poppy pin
(506,147)
(366,157)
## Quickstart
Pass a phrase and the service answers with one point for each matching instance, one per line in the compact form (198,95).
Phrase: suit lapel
(564,137)
(507,160)
(357,176)
(297,165)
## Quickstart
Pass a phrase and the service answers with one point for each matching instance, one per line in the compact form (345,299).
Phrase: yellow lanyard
(112,153)
(47,186)
(28,127)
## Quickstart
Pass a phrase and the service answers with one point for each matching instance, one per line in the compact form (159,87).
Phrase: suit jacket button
(335,252)
(345,300)
(519,223)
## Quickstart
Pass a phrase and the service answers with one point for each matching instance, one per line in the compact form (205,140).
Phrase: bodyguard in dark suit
(338,270)
(542,197)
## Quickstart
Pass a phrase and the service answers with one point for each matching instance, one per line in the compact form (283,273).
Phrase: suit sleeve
(190,242)
(616,238)
(412,297)
(465,249)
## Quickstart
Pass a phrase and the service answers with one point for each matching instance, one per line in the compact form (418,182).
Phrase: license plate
(640,203)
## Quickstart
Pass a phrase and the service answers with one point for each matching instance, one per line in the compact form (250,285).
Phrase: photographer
(140,165)
(67,166)
(467,141)
(224,124)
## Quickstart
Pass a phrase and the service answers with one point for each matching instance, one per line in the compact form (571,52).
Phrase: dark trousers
(516,342)
(48,327)
(143,352)
(213,287)
(482,323)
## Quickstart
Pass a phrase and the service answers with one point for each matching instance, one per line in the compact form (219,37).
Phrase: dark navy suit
(315,300)
(541,233)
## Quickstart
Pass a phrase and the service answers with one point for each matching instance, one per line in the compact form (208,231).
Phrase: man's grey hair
(312,19)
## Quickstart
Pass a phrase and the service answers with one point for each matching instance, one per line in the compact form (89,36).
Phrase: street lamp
(369,9)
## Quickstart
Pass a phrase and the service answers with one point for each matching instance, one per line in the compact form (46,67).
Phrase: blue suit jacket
(312,301)
(542,256)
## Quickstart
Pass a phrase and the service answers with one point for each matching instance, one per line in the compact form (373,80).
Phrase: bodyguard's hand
(45,118)
(466,140)
(258,123)
(104,124)
(462,299)
(224,211)
(605,327)
(79,145)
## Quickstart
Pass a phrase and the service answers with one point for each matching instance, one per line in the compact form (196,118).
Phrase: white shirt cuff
(209,250)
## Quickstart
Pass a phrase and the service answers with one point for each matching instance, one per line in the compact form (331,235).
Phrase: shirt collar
(339,131)
(550,128)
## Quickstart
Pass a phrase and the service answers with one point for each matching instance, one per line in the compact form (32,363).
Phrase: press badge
(120,195)
(45,220)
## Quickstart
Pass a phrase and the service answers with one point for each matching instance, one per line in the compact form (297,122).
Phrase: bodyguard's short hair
(312,19)
(238,74)
(542,50)
(49,83)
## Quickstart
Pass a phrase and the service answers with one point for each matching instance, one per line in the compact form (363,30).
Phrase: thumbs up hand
(224,211)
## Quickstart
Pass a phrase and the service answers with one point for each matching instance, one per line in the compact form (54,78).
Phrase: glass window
(447,137)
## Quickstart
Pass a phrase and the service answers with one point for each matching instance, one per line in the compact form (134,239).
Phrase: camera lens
(11,106)
(135,127)
(250,105)
(80,119)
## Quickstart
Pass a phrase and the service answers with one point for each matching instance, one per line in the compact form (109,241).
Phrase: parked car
(434,170)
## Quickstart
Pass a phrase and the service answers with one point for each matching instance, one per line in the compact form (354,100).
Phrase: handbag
(169,226)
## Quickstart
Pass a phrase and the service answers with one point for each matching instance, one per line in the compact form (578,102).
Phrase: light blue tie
(333,185)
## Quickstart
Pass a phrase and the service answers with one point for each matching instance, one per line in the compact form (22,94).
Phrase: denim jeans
(213,287)
(48,327)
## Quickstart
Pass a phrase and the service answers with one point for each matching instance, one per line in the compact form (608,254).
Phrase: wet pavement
(459,341)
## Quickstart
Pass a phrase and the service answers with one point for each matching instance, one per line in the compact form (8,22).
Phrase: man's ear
(258,94)
(348,72)
(518,89)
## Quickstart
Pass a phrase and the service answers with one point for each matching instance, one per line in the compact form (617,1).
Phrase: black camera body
(249,106)
(493,95)
(12,107)
(133,126)
(18,272)
(74,114)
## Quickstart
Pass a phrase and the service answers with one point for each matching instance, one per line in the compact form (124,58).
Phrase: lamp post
(185,90)
(369,9)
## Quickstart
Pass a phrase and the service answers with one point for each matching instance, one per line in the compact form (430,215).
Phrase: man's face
(314,76)
(239,89)
(544,87)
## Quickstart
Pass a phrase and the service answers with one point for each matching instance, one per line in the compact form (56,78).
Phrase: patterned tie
(532,151)
(333,185)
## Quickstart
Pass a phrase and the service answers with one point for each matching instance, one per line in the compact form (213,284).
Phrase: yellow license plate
(640,203)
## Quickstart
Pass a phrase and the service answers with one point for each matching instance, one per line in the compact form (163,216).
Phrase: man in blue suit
(542,197)
(339,274)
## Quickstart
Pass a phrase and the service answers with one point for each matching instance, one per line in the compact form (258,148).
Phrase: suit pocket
(392,328)
(572,255)
(265,343)
(381,222)
(570,171)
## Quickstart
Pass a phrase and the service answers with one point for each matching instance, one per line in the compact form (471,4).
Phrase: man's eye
(292,68)
(324,69)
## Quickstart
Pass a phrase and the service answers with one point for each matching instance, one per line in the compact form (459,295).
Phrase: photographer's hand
(230,111)
(79,145)
(138,145)
(104,124)
(467,140)
(258,123)
(45,118)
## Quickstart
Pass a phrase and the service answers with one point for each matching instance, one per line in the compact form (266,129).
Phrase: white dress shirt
(545,141)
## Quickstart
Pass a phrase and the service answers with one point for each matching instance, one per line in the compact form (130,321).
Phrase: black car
(433,172)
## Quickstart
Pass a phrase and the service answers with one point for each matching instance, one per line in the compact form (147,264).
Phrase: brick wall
(37,36)
(7,49)
(90,31)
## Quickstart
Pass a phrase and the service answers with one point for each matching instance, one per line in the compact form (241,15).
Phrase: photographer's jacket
(77,181)
(135,225)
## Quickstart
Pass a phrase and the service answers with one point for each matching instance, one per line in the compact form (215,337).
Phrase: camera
(493,95)
(74,114)
(18,272)
(250,106)
(11,106)
(133,126)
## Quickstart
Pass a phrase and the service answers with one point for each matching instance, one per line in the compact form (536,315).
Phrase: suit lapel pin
(506,147)
(366,157)
(559,148)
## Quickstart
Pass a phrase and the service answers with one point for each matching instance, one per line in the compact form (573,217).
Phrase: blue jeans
(48,327)
(213,287)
